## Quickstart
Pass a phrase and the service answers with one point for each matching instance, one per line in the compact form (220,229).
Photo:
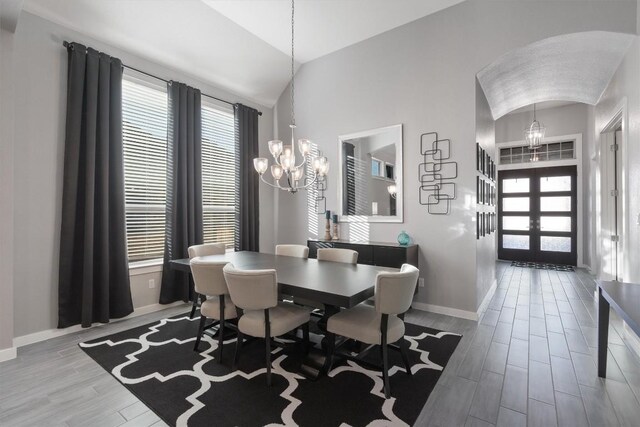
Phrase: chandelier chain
(293,86)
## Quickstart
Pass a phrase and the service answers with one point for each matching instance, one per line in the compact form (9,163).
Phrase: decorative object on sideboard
(403,238)
(436,174)
(393,190)
(320,201)
(336,228)
(284,157)
(327,226)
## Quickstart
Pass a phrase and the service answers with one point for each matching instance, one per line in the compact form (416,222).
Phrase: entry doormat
(543,266)
(156,362)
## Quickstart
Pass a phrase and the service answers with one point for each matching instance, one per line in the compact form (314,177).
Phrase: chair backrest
(207,249)
(252,289)
(208,277)
(338,255)
(298,251)
(394,291)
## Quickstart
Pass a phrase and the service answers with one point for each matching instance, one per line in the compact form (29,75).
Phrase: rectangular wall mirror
(370,187)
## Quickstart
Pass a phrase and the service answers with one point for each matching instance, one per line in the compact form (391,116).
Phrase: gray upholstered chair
(379,325)
(209,281)
(338,255)
(298,251)
(256,293)
(205,249)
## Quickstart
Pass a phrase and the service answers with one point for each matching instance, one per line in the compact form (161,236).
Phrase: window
(546,152)
(144,132)
(218,175)
(389,171)
(376,167)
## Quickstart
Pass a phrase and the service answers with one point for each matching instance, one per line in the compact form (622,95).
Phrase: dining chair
(209,281)
(346,256)
(378,325)
(205,249)
(255,292)
(298,251)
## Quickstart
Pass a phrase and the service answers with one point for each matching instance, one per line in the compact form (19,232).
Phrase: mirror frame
(399,171)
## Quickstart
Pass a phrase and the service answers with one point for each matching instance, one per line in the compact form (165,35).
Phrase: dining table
(335,285)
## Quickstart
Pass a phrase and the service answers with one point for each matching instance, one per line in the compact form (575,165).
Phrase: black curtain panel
(184,188)
(93,267)
(247,232)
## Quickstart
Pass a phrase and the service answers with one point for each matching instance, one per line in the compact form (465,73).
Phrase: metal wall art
(436,174)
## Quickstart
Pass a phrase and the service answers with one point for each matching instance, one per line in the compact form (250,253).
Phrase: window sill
(145,267)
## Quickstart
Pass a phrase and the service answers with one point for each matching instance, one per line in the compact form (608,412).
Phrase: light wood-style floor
(529,361)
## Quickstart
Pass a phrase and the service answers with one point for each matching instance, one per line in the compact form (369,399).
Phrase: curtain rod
(68,44)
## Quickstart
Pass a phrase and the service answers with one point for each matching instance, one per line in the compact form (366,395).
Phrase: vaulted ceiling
(242,46)
(571,67)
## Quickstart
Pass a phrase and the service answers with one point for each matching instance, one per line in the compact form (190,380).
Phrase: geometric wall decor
(436,174)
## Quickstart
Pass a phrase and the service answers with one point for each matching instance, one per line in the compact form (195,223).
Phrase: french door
(537,215)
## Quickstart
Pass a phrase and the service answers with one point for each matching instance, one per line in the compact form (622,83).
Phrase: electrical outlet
(421,282)
(152,283)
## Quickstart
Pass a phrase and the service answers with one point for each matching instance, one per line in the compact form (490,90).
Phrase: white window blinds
(144,131)
(218,175)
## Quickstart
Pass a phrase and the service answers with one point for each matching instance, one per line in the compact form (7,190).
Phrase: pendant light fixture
(534,134)
(284,156)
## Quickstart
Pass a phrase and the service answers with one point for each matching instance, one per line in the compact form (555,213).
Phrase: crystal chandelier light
(534,134)
(284,157)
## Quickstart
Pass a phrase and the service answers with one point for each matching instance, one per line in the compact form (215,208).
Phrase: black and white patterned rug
(157,363)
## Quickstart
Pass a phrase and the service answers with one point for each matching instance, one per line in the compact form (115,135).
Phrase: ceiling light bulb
(304,145)
(276,171)
(275,147)
(260,164)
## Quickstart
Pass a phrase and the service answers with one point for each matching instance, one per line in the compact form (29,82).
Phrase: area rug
(157,363)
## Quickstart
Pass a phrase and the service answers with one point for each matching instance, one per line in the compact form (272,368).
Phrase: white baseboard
(586,267)
(8,354)
(448,311)
(53,333)
(487,298)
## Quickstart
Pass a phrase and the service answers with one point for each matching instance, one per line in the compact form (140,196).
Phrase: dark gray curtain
(93,270)
(184,188)
(247,231)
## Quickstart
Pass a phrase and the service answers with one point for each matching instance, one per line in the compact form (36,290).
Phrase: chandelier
(534,134)
(284,157)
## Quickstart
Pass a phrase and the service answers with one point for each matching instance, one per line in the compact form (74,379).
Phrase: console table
(381,254)
(625,300)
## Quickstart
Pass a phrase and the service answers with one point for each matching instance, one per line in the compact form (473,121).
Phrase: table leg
(313,363)
(603,333)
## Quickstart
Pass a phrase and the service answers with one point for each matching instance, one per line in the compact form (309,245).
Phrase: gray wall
(39,72)
(423,76)
(6,191)
(485,246)
(565,120)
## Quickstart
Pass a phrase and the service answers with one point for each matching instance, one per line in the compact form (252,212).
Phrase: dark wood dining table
(333,284)
(330,283)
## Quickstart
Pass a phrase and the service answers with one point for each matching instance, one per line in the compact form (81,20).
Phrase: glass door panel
(516,223)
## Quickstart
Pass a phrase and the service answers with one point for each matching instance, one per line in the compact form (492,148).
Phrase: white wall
(485,246)
(558,121)
(623,91)
(423,76)
(39,72)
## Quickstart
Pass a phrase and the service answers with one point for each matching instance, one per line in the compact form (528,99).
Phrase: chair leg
(200,332)
(403,352)
(236,356)
(221,330)
(267,340)
(193,307)
(305,337)
(385,356)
